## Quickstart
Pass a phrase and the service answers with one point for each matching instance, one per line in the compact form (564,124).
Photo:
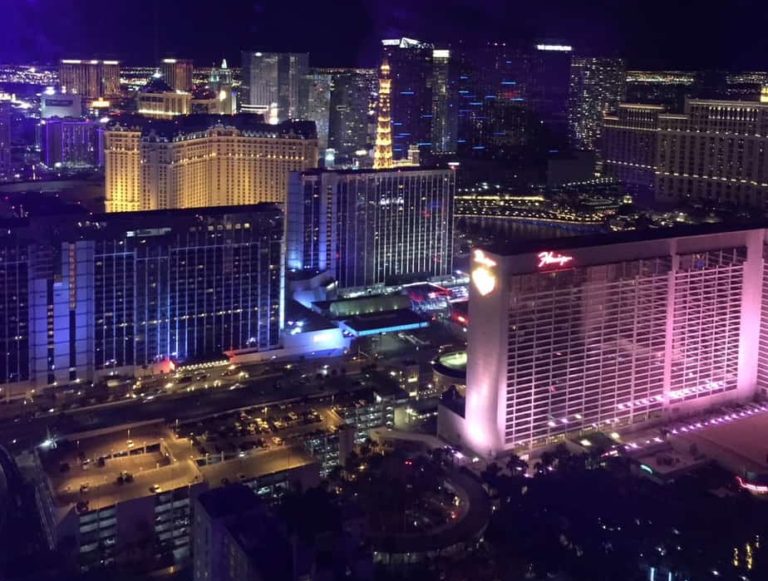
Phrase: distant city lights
(554,47)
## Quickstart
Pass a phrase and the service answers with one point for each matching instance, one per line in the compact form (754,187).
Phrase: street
(183,406)
(184,396)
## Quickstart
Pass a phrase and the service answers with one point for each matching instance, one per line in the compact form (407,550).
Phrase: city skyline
(383,290)
(646,33)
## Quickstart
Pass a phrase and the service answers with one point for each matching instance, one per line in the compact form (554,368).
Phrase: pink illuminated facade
(584,337)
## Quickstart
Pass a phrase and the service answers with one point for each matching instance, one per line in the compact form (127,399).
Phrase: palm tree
(491,474)
(546,461)
(352,462)
(516,465)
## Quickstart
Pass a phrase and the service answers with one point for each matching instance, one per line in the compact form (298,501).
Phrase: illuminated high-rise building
(5,140)
(158,99)
(549,73)
(259,88)
(716,152)
(491,82)
(85,296)
(382,153)
(371,227)
(628,146)
(274,79)
(202,160)
(71,143)
(348,127)
(579,335)
(93,79)
(177,73)
(444,108)
(220,82)
(316,106)
(597,87)
(412,73)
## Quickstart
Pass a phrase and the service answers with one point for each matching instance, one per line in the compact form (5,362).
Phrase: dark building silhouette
(411,67)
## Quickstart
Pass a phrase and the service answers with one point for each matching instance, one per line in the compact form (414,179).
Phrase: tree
(491,474)
(516,465)
(366,447)
(546,461)
(352,462)
(336,474)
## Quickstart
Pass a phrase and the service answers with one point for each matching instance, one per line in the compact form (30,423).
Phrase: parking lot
(99,470)
(259,428)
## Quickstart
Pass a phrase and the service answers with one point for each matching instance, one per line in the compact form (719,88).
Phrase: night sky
(725,34)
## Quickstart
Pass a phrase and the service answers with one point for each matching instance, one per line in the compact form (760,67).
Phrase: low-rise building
(331,447)
(158,99)
(368,409)
(119,498)
(236,538)
(123,497)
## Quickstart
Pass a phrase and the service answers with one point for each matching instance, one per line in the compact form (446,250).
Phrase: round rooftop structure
(450,369)
(455,537)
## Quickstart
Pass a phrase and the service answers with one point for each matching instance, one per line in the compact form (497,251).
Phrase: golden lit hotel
(202,160)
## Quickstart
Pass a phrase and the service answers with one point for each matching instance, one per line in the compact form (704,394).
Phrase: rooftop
(454,360)
(509,248)
(268,549)
(401,169)
(387,321)
(92,468)
(727,103)
(464,531)
(363,305)
(668,463)
(257,465)
(156,84)
(183,125)
(641,106)
(452,365)
(295,311)
(203,93)
(347,402)
(52,226)
(738,443)
(229,501)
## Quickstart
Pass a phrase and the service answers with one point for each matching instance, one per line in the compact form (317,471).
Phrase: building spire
(382,153)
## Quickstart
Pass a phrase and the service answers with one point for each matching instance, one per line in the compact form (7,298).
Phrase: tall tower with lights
(382,154)
(220,83)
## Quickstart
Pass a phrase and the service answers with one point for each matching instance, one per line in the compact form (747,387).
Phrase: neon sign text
(550,258)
